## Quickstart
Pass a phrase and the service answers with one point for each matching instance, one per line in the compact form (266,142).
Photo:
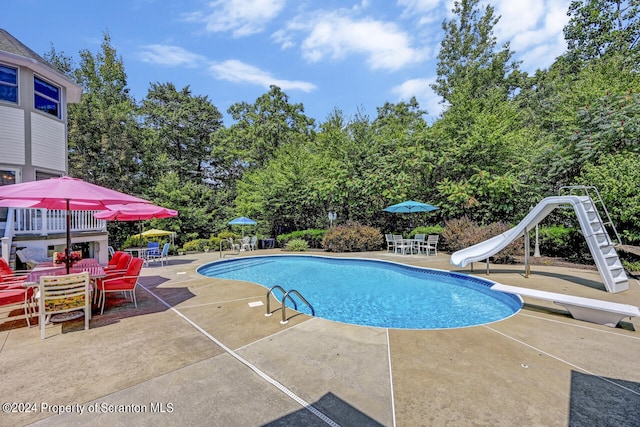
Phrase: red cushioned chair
(126,283)
(18,294)
(10,277)
(119,261)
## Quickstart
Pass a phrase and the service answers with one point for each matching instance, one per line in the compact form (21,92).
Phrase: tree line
(505,139)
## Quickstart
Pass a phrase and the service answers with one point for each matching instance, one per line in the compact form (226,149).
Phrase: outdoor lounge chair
(63,294)
(31,257)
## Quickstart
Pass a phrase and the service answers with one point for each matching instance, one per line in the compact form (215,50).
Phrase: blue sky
(350,55)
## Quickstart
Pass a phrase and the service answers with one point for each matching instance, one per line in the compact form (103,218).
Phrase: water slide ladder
(286,295)
(602,247)
(585,188)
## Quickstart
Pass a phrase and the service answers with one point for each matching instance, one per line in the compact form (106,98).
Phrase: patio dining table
(90,265)
(140,252)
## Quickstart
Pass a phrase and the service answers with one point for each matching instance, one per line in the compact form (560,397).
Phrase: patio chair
(10,276)
(246,245)
(162,256)
(126,283)
(234,246)
(64,294)
(118,264)
(153,249)
(431,245)
(111,251)
(391,244)
(31,257)
(17,293)
(254,243)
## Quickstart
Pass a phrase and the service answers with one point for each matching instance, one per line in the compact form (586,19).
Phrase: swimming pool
(374,293)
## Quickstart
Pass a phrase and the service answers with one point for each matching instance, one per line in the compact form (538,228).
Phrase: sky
(332,54)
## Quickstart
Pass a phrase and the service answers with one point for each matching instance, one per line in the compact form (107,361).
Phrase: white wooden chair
(63,294)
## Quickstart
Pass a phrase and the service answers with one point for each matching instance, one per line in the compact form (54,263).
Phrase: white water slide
(600,245)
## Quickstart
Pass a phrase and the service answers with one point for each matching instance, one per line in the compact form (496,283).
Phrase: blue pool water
(374,293)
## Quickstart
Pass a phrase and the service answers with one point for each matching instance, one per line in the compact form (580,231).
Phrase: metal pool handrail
(284,293)
(284,307)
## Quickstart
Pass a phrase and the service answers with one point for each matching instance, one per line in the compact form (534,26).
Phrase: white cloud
(421,89)
(427,11)
(534,29)
(239,72)
(170,55)
(336,35)
(240,17)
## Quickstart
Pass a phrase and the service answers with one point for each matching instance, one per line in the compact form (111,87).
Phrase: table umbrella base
(64,317)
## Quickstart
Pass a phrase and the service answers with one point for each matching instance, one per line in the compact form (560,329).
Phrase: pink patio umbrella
(63,193)
(135,212)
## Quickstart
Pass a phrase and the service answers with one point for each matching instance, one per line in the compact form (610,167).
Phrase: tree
(104,137)
(601,27)
(467,59)
(179,128)
(261,128)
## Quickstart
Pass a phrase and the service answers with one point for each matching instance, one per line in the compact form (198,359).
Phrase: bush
(462,232)
(554,240)
(352,237)
(296,245)
(426,230)
(313,237)
(197,245)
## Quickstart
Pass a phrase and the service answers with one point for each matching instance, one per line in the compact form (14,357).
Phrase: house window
(46,97)
(8,83)
(40,176)
(8,177)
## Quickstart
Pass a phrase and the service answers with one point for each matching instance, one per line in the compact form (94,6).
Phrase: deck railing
(50,221)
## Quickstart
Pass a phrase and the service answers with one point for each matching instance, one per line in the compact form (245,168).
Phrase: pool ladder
(286,294)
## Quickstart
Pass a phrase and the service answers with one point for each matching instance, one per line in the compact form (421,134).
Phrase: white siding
(12,135)
(48,145)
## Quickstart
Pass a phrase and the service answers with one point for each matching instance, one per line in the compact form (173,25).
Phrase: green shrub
(352,237)
(631,266)
(554,240)
(196,245)
(313,237)
(426,230)
(462,232)
(296,245)
(214,242)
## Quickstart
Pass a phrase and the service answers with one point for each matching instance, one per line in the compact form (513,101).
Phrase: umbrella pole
(68,248)
(140,237)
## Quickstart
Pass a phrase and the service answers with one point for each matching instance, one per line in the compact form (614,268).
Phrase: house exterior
(34,146)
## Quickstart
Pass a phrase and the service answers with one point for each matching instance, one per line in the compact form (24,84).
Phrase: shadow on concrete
(332,406)
(603,402)
(183,260)
(567,277)
(119,306)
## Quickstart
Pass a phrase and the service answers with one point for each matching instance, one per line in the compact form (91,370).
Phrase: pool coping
(530,369)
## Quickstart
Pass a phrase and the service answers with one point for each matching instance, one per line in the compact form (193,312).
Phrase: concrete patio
(195,353)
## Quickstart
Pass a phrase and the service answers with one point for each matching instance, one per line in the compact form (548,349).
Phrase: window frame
(57,102)
(17,83)
(17,172)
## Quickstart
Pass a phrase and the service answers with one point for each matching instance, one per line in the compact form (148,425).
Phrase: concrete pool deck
(195,352)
